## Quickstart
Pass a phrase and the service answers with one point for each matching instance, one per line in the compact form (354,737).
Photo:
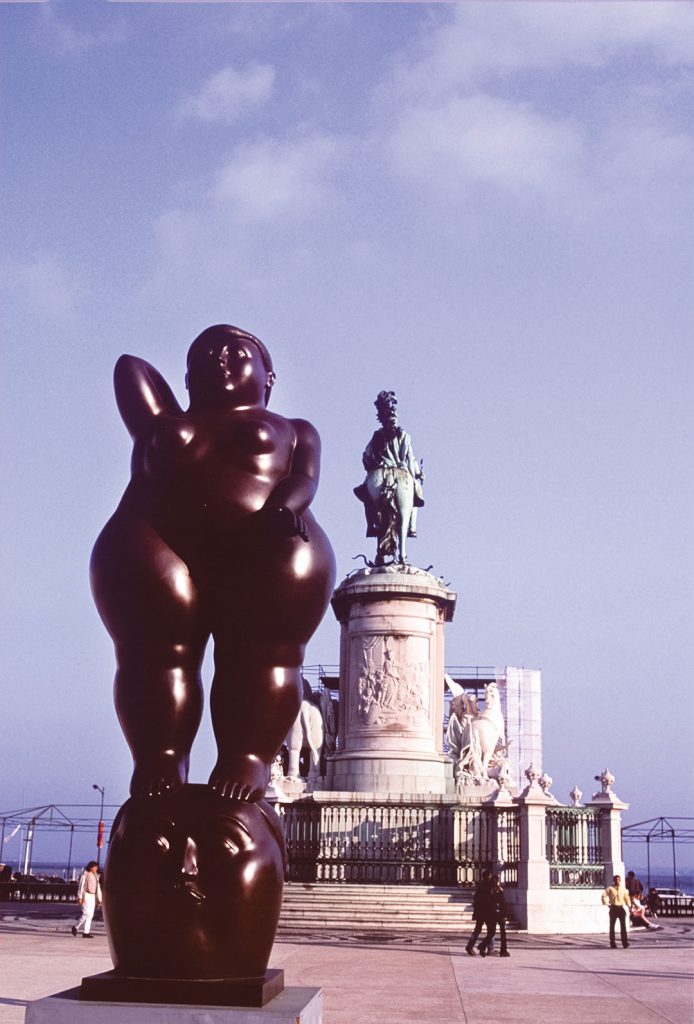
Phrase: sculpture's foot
(241,778)
(411,533)
(163,774)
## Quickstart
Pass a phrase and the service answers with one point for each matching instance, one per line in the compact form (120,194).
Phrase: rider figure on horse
(392,490)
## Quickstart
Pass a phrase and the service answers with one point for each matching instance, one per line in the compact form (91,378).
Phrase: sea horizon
(659,877)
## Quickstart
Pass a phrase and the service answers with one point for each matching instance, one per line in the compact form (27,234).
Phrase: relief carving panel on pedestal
(390,682)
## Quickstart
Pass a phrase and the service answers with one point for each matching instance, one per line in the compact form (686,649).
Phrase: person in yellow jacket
(617,899)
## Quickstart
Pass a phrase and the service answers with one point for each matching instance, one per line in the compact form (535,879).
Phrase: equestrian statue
(392,490)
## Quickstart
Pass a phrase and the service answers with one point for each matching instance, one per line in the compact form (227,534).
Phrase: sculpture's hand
(281,521)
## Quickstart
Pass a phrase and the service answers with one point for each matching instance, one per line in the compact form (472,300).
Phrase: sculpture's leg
(263,619)
(412,530)
(158,698)
(405,504)
(253,703)
(293,741)
(149,605)
(314,770)
(402,540)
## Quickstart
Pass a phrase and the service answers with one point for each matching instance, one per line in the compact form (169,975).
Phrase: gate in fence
(574,848)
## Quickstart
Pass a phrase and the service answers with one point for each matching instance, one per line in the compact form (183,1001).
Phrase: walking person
(617,899)
(497,917)
(89,898)
(482,907)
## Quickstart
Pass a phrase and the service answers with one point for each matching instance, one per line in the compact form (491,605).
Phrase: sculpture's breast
(252,437)
(249,441)
(173,443)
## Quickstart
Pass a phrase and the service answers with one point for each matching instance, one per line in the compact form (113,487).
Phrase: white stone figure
(307,731)
(575,796)
(504,777)
(274,790)
(533,774)
(475,736)
(276,771)
(329,713)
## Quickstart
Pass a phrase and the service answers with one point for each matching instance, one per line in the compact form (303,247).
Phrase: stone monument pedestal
(390,738)
(292,1006)
(116,988)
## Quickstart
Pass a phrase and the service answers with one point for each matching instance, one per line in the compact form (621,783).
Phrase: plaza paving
(391,980)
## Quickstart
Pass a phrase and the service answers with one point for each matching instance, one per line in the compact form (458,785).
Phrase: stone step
(323,909)
(345,907)
(390,922)
(366,907)
(375,893)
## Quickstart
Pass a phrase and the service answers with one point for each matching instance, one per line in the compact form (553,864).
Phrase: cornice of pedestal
(378,583)
(533,794)
(610,800)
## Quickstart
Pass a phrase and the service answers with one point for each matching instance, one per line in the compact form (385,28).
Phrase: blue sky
(485,207)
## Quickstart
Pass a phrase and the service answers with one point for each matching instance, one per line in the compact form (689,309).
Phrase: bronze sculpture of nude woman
(213,537)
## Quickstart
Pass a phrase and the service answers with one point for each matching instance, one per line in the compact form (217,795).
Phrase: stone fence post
(532,893)
(611,808)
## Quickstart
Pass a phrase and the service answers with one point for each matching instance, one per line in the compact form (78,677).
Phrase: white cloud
(272,178)
(487,139)
(230,94)
(65,39)
(268,208)
(479,42)
(490,95)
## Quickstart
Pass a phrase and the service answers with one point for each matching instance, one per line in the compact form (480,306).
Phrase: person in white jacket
(88,897)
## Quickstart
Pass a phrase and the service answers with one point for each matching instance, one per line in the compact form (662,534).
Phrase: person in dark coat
(497,916)
(482,909)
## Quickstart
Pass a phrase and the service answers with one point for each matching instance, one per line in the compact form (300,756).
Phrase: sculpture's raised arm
(141,394)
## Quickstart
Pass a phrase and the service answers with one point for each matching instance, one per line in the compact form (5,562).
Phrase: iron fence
(574,847)
(399,844)
(53,891)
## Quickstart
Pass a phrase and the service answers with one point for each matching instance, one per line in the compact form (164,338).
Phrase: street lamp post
(100,831)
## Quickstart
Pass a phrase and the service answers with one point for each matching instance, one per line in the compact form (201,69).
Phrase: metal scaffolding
(660,830)
(66,818)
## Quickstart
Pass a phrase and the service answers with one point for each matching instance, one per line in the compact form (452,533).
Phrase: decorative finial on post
(545,782)
(575,796)
(606,781)
(607,796)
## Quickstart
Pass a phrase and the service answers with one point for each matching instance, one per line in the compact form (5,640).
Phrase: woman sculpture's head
(226,363)
(193,886)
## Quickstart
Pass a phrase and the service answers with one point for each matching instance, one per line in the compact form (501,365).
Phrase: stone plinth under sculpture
(390,739)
